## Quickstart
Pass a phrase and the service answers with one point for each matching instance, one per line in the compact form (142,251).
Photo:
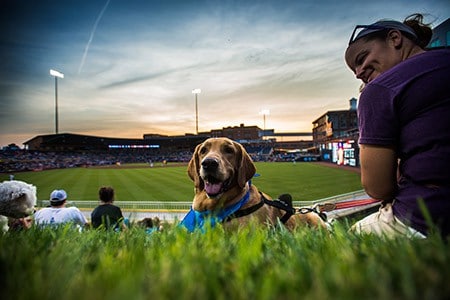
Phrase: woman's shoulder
(428,62)
(438,55)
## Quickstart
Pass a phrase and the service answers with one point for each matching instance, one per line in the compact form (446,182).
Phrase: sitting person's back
(107,215)
(58,213)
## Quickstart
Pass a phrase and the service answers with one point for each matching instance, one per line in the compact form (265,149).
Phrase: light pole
(56,74)
(265,112)
(196,92)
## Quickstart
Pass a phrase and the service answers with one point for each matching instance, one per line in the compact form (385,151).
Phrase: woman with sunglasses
(404,125)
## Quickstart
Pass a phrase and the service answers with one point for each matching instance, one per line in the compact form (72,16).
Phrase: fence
(185,206)
(128,205)
(174,210)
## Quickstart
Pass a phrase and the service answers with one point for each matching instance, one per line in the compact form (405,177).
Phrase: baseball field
(140,182)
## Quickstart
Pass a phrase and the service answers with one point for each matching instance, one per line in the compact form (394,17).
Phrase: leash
(284,202)
(355,203)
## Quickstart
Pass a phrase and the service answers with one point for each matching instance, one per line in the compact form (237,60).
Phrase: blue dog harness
(198,219)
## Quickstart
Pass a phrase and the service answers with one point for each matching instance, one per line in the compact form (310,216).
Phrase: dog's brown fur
(233,167)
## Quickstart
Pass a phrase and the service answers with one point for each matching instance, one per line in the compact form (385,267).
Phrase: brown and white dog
(221,170)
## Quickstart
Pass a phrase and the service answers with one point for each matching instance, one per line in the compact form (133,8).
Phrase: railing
(128,205)
(361,194)
(185,206)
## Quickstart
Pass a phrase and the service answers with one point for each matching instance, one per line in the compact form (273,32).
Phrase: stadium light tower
(265,112)
(56,74)
(196,92)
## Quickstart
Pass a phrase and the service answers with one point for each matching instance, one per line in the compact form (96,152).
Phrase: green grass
(304,181)
(252,263)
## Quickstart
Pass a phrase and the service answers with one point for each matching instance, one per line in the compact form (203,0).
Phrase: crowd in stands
(25,160)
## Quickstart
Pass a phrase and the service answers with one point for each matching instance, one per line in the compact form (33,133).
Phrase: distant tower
(353,104)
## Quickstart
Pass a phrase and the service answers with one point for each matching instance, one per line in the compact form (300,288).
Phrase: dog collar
(198,219)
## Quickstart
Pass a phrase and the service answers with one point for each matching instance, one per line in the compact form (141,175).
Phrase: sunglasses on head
(360,28)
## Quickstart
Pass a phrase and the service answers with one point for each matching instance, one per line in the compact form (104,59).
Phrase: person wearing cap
(107,215)
(404,126)
(57,213)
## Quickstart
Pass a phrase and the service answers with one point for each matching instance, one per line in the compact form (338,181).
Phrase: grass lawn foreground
(253,263)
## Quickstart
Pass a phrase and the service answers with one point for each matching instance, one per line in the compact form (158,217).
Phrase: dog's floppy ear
(246,167)
(194,169)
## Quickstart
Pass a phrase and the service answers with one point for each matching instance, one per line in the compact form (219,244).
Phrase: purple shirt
(408,107)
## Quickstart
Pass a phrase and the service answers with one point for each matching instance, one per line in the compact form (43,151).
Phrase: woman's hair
(106,194)
(422,30)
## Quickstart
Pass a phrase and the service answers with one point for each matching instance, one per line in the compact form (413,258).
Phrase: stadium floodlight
(264,112)
(196,92)
(57,75)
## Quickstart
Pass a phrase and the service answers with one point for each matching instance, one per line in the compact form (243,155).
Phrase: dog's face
(219,164)
(17,198)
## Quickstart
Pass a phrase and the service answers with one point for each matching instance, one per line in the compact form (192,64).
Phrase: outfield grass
(304,181)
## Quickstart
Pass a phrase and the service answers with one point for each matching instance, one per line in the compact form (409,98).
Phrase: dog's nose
(210,164)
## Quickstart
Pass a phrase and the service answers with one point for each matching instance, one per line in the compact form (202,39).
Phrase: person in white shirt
(58,213)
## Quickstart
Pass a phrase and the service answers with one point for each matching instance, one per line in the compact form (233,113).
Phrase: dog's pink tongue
(213,188)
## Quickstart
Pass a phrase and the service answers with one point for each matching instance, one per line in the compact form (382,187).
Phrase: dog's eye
(228,150)
(203,150)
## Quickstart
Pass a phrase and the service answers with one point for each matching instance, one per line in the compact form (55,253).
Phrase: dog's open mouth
(214,187)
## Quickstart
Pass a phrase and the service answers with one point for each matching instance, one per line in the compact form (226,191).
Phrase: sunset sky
(130,66)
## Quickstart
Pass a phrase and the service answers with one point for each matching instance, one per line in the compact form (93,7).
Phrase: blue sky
(130,66)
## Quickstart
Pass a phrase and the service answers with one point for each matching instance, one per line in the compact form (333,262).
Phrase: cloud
(130,66)
(91,37)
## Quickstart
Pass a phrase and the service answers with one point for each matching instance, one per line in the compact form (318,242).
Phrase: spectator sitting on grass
(404,129)
(58,213)
(107,215)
